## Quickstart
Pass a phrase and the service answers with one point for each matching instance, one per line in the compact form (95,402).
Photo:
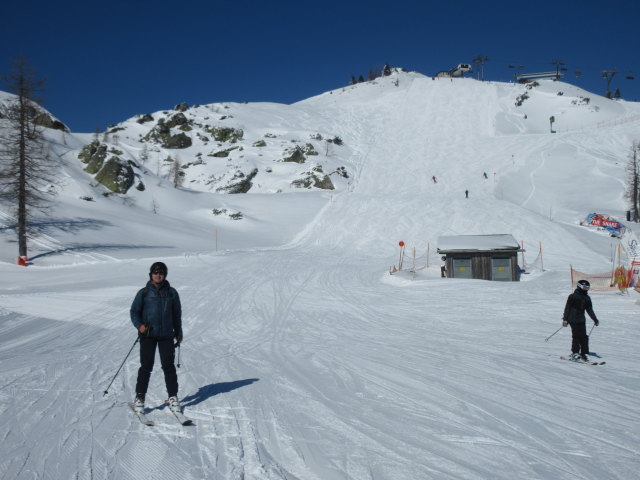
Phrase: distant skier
(157,315)
(435,180)
(485,175)
(466,193)
(577,303)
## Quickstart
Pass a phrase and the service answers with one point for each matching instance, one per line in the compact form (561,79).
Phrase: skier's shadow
(214,389)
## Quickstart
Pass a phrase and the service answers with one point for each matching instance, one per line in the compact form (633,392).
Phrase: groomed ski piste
(303,359)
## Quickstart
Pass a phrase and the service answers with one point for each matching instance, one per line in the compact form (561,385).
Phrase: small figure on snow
(157,315)
(485,175)
(435,180)
(577,303)
(466,193)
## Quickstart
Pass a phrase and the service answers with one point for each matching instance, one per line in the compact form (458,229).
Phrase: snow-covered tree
(176,174)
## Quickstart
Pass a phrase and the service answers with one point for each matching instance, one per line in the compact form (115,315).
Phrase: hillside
(303,358)
(392,136)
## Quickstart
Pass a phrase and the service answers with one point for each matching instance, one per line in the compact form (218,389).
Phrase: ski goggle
(159,272)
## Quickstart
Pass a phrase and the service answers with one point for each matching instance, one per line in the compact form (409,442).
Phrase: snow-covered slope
(303,359)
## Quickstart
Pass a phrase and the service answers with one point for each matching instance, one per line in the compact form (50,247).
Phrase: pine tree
(27,173)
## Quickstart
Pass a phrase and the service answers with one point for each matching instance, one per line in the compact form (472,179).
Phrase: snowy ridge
(303,359)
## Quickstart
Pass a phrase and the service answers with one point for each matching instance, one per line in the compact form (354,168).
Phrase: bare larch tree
(633,181)
(27,173)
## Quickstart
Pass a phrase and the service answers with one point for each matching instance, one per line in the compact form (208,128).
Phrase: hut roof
(479,243)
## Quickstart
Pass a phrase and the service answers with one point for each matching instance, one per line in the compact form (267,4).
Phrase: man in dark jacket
(157,315)
(578,303)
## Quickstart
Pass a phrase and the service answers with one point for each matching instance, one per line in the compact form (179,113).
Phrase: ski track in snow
(310,362)
(305,375)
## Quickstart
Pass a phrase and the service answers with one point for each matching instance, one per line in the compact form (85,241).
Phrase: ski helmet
(584,285)
(158,267)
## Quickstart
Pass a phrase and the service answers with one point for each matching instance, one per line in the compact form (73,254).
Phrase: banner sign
(615,228)
(634,274)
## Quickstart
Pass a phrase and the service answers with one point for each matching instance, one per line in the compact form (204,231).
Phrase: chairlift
(563,69)
(630,77)
(512,66)
(578,74)
(521,67)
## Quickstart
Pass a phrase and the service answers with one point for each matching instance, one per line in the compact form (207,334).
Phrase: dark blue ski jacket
(578,303)
(159,309)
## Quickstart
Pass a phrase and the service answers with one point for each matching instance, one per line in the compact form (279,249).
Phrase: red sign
(604,221)
(601,222)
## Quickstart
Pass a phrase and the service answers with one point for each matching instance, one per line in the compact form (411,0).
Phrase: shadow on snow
(94,248)
(39,226)
(214,389)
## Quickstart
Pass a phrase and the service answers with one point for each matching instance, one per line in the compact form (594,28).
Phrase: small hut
(484,257)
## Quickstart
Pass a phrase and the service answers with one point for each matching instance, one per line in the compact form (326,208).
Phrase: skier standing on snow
(577,303)
(157,315)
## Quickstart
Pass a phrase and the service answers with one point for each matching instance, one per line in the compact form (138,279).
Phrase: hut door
(501,269)
(462,268)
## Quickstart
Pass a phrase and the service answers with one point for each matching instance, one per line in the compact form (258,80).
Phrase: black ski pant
(147,357)
(579,338)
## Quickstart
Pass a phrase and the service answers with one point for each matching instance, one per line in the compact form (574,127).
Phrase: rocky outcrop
(225,134)
(316,178)
(147,117)
(47,121)
(240,183)
(94,156)
(116,174)
(297,156)
(162,135)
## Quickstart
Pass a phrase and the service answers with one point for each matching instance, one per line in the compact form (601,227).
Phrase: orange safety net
(600,282)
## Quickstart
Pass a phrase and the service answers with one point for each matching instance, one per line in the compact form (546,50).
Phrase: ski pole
(547,339)
(178,355)
(592,327)
(125,359)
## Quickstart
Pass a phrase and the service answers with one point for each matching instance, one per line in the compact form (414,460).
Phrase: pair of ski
(586,362)
(150,423)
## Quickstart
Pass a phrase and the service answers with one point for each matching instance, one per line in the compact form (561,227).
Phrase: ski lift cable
(565,66)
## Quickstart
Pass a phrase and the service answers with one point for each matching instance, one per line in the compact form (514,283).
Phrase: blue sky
(106,62)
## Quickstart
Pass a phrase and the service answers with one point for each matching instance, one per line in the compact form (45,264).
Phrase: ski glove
(144,330)
(596,322)
(565,323)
